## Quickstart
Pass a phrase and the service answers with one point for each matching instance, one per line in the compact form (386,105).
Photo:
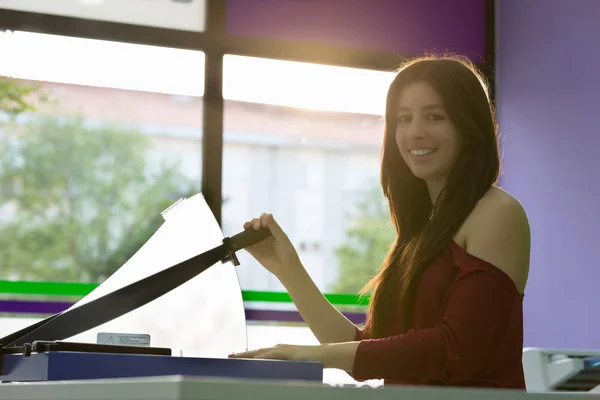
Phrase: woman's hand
(276,253)
(284,352)
(331,355)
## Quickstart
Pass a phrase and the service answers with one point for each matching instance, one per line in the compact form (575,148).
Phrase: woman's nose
(414,129)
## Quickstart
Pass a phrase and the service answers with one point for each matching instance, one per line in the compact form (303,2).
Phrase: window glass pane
(86,173)
(303,142)
(186,15)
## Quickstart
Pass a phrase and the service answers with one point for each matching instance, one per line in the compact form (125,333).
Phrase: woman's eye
(435,117)
(403,118)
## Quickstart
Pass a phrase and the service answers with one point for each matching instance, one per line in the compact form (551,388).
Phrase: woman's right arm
(278,255)
(327,323)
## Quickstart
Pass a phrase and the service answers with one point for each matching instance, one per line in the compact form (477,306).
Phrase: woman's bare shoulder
(498,232)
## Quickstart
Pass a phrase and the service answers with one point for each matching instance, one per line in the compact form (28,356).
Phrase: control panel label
(125,339)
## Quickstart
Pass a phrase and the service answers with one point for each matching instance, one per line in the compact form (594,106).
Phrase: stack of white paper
(203,317)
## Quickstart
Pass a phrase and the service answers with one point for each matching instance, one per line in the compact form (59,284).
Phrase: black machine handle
(126,299)
(246,238)
(249,237)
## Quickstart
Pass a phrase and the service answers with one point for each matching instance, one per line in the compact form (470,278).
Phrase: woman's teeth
(422,152)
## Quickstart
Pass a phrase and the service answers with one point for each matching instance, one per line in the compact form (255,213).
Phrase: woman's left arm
(331,355)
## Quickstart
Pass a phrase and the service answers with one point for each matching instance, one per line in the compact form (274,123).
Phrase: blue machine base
(53,366)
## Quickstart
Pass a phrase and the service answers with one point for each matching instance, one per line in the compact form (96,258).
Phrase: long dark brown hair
(423,234)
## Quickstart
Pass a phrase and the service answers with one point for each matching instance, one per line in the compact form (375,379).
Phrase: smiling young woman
(447,305)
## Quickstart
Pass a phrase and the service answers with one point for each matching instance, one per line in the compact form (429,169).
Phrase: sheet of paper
(203,317)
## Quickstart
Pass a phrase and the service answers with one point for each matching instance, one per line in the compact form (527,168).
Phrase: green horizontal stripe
(347,299)
(47,288)
(282,297)
(82,289)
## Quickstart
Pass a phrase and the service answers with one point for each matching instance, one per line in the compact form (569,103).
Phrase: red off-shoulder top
(467,330)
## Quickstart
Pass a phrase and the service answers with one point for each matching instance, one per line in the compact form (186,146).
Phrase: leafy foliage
(17,97)
(368,239)
(76,201)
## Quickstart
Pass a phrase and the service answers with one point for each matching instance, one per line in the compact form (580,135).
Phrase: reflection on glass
(186,15)
(202,318)
(302,141)
(86,171)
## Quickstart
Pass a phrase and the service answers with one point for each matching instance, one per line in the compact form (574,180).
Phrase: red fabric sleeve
(454,349)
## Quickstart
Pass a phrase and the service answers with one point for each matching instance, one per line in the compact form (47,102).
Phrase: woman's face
(426,138)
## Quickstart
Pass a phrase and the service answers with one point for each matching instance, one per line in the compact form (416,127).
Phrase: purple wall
(548,89)
(405,27)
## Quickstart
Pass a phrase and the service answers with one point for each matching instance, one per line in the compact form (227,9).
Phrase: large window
(117,135)
(302,141)
(86,171)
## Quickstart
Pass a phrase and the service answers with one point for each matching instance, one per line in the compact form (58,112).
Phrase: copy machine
(559,370)
(177,298)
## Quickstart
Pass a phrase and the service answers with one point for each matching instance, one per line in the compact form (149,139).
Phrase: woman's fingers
(253,223)
(264,219)
(271,355)
(252,353)
(267,221)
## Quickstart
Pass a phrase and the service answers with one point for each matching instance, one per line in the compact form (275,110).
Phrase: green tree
(78,200)
(368,239)
(17,97)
